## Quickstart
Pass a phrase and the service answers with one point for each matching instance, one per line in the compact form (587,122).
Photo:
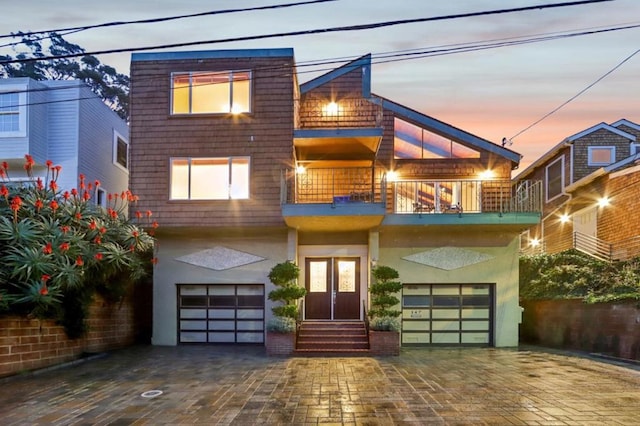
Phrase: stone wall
(606,328)
(29,344)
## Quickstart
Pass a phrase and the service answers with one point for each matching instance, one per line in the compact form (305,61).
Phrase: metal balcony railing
(468,196)
(333,185)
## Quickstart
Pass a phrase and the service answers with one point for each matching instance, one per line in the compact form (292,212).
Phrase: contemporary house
(590,193)
(245,168)
(65,122)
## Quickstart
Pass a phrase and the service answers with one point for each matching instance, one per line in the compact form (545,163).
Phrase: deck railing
(345,113)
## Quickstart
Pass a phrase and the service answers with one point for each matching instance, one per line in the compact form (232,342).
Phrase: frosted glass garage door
(225,313)
(447,314)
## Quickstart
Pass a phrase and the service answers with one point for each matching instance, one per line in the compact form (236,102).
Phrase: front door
(333,288)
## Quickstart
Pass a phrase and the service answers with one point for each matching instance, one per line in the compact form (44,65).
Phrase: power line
(602,77)
(169,18)
(315,31)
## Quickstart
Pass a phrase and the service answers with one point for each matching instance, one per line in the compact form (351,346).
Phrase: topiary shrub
(285,276)
(383,316)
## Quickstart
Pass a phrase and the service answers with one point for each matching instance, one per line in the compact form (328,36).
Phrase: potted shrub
(281,329)
(384,324)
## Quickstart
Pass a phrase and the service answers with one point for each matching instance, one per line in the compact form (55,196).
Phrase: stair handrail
(366,317)
(593,246)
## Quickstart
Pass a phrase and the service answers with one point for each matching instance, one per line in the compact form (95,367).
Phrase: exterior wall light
(486,174)
(392,176)
(300,170)
(564,218)
(331,109)
(603,202)
(535,242)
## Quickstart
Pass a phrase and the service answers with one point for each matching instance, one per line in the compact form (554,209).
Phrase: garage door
(228,313)
(447,314)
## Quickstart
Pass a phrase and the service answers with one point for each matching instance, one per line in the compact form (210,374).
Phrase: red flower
(47,249)
(38,204)
(78,216)
(54,205)
(135,234)
(49,163)
(92,225)
(113,214)
(138,214)
(97,240)
(66,195)
(86,195)
(97,183)
(64,246)
(74,192)
(2,173)
(103,230)
(16,203)
(132,247)
(5,166)
(44,290)
(64,229)
(4,191)
(57,168)
(79,261)
(154,224)
(39,184)
(98,256)
(53,185)
(149,213)
(28,165)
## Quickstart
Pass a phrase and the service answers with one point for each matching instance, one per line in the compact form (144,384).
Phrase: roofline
(625,122)
(211,54)
(448,130)
(569,140)
(363,62)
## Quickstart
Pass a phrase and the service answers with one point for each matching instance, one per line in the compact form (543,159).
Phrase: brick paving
(241,386)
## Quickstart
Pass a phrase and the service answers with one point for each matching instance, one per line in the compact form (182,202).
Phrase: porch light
(300,170)
(603,202)
(392,176)
(535,242)
(331,109)
(564,218)
(486,174)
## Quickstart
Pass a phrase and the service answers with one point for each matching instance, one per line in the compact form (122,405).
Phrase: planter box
(385,343)
(280,343)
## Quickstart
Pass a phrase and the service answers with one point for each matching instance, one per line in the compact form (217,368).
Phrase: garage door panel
(221,313)
(447,314)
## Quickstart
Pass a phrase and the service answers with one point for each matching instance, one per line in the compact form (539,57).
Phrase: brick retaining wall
(29,344)
(606,328)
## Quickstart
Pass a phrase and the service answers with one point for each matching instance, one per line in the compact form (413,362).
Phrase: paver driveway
(241,386)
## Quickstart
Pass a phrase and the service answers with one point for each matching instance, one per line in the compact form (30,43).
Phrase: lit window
(120,151)
(209,178)
(211,92)
(413,142)
(13,115)
(555,178)
(601,155)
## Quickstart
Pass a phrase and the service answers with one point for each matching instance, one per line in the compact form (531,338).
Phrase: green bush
(285,275)
(57,249)
(281,324)
(383,300)
(572,274)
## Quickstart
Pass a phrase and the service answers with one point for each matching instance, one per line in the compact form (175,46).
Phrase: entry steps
(332,338)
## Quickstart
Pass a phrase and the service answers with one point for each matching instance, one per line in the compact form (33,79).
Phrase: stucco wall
(271,245)
(500,268)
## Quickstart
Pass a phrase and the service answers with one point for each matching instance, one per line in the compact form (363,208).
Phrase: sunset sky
(492,93)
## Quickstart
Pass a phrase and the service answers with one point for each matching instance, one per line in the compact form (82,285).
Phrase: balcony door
(333,288)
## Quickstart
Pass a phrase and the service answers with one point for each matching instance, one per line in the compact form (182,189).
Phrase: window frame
(230,82)
(561,177)
(230,188)
(116,138)
(591,149)
(21,91)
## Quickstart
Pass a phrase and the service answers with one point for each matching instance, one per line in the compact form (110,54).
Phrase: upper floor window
(13,114)
(120,151)
(413,142)
(209,178)
(602,155)
(554,175)
(211,92)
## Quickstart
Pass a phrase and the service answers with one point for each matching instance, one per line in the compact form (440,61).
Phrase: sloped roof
(363,62)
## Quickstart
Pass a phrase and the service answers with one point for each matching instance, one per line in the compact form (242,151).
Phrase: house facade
(245,168)
(65,122)
(590,185)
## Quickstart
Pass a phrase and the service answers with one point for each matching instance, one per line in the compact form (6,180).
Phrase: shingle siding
(265,135)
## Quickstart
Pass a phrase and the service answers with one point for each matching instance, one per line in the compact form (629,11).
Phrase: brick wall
(607,328)
(29,344)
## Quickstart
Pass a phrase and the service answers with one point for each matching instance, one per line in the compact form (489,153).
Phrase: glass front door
(333,288)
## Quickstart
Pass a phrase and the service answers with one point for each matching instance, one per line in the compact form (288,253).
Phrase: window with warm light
(413,142)
(601,155)
(211,92)
(209,178)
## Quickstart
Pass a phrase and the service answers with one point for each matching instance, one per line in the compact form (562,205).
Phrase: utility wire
(168,18)
(602,77)
(315,31)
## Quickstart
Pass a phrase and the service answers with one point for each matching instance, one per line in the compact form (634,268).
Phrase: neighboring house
(591,182)
(65,122)
(244,168)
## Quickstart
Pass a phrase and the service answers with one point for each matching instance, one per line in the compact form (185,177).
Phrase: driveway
(211,385)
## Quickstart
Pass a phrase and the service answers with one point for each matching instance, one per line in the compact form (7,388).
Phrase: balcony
(346,113)
(358,197)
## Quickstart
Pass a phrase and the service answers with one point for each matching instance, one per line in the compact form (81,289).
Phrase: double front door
(333,288)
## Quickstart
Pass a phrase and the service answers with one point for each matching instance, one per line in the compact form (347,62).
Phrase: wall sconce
(392,176)
(564,218)
(300,170)
(374,263)
(486,174)
(534,242)
(331,109)
(603,202)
